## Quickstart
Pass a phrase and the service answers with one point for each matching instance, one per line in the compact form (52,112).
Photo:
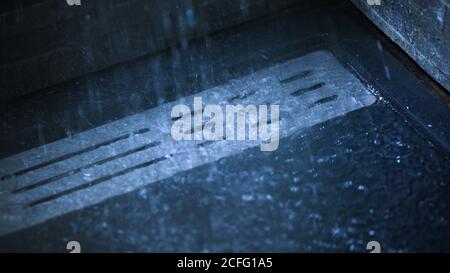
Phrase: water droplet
(247,197)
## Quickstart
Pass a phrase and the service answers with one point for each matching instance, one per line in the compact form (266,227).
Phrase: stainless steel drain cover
(125,155)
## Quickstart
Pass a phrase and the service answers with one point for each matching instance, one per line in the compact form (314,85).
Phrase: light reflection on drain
(130,153)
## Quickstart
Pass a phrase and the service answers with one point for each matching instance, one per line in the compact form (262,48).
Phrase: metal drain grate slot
(309,89)
(77,170)
(70,155)
(192,114)
(121,156)
(81,161)
(297,77)
(96,181)
(324,100)
(242,96)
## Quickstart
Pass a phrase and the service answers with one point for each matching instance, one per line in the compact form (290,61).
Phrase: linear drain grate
(125,155)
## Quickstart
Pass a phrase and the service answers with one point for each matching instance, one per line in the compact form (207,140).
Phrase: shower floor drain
(127,154)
